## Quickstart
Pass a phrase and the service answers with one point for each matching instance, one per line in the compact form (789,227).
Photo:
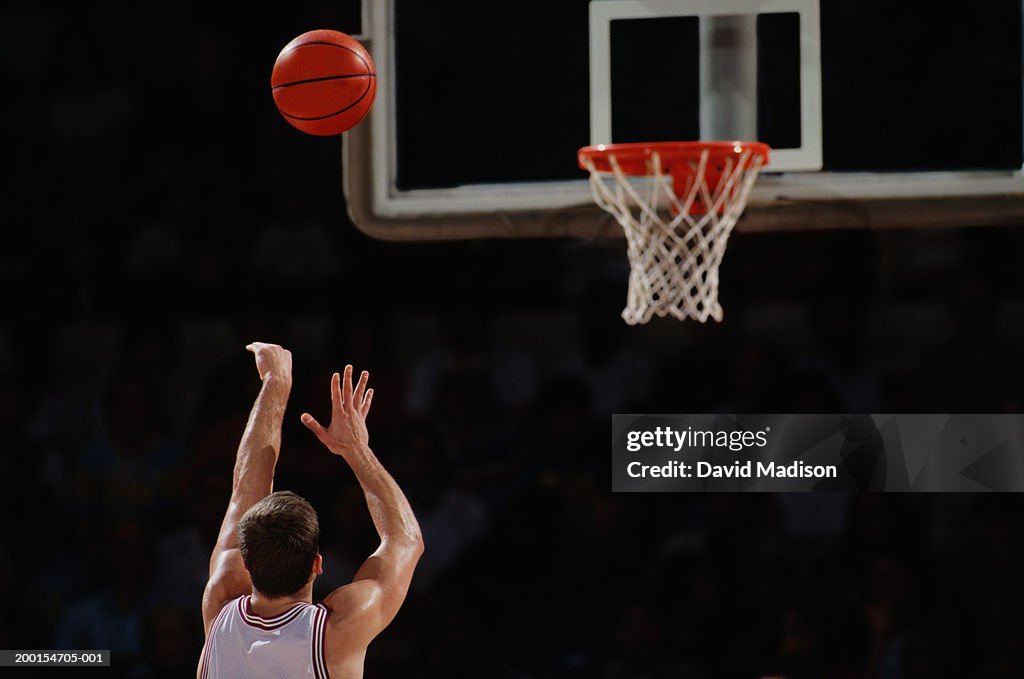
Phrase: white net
(676,236)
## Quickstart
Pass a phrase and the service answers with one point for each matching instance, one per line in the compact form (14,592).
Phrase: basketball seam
(356,54)
(331,115)
(323,78)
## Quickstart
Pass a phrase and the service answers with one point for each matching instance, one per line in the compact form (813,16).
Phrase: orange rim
(635,158)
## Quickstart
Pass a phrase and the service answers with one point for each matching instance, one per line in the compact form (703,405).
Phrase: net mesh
(676,231)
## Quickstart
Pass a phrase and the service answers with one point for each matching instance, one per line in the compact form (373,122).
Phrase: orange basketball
(324,82)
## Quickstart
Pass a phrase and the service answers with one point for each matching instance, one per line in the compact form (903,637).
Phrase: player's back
(243,644)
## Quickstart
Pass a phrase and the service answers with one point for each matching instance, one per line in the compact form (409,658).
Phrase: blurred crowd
(119,473)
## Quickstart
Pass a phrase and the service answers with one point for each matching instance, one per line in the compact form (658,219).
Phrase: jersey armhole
(319,631)
(204,667)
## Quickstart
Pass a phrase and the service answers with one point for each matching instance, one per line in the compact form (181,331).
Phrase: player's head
(279,538)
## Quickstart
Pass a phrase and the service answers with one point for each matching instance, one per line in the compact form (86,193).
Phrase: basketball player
(258,605)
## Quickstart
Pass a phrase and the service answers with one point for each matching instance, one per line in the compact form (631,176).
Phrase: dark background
(159,214)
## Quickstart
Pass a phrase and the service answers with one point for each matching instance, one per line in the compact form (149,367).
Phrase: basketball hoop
(677,202)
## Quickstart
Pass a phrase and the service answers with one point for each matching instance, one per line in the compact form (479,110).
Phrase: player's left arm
(253,477)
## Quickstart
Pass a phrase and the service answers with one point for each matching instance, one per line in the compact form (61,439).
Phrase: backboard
(878,115)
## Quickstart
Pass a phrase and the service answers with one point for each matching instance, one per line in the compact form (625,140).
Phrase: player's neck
(266,607)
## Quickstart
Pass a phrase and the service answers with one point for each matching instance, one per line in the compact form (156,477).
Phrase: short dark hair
(279,538)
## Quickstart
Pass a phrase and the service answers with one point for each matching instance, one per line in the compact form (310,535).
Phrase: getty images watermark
(735,441)
(819,453)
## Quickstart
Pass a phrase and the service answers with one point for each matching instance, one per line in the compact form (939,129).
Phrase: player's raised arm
(253,476)
(365,607)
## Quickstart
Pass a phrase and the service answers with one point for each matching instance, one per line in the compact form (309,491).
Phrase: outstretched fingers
(335,395)
(346,386)
(364,408)
(343,395)
(360,392)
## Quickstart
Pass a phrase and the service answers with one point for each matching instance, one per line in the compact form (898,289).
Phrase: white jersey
(243,644)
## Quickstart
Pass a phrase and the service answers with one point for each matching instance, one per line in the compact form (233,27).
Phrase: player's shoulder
(351,600)
(352,607)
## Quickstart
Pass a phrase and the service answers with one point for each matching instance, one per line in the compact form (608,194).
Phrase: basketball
(324,82)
